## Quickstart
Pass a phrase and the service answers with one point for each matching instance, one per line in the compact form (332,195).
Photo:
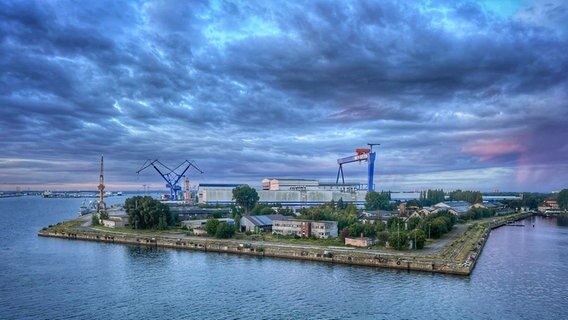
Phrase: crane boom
(171,177)
(363,154)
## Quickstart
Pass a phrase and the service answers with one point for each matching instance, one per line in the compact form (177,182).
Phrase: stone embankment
(501,221)
(458,258)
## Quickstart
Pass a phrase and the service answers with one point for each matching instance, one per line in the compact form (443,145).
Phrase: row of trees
(218,229)
(562,199)
(431,197)
(478,213)
(147,213)
(378,201)
(469,196)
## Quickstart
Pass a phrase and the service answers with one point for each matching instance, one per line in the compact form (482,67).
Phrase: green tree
(563,199)
(431,197)
(436,227)
(418,238)
(211,226)
(377,201)
(340,204)
(469,196)
(383,237)
(344,233)
(246,197)
(148,213)
(413,203)
(285,212)
(237,217)
(95,220)
(398,240)
(224,231)
(413,223)
(395,223)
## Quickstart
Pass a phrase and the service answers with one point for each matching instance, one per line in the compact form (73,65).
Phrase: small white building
(116,221)
(359,242)
(324,229)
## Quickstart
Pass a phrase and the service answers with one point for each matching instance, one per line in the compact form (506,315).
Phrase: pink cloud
(489,149)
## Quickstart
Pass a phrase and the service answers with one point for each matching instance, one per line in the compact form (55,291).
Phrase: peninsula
(455,254)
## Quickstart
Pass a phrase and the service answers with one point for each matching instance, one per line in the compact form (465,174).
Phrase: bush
(95,220)
(382,238)
(398,240)
(418,238)
(211,227)
(224,231)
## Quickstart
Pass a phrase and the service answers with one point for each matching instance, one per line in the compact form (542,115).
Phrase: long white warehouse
(288,193)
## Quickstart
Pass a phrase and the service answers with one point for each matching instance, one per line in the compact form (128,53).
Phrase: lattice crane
(170,175)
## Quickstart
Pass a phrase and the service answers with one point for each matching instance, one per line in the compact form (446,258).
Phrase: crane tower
(101,205)
(363,154)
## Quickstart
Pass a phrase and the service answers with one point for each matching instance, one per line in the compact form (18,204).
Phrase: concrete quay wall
(505,220)
(281,250)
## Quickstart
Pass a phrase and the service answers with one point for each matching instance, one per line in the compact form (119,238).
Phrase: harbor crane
(101,204)
(170,175)
(363,154)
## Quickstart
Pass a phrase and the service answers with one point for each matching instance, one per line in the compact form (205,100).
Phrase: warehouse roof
(265,220)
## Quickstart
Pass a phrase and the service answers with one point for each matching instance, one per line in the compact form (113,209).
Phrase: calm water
(522,274)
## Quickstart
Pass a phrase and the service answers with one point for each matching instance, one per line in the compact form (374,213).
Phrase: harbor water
(522,274)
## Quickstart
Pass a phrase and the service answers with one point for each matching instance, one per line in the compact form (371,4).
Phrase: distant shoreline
(458,258)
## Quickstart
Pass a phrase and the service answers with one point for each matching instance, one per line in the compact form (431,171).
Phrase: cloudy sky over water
(460,94)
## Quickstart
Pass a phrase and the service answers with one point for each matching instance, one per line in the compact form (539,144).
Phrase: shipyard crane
(101,205)
(170,175)
(363,154)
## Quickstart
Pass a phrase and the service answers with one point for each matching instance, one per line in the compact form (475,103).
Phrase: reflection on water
(562,220)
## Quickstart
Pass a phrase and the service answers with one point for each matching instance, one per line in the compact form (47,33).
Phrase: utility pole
(415,247)
(398,227)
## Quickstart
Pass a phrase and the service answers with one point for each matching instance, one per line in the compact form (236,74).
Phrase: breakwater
(278,250)
(458,258)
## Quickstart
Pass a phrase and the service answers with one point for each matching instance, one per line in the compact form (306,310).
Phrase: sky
(460,94)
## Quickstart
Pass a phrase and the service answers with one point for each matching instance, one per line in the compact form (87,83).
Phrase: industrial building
(200,224)
(295,193)
(259,223)
(305,228)
(291,193)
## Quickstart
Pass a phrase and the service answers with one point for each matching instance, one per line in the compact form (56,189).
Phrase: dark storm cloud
(257,89)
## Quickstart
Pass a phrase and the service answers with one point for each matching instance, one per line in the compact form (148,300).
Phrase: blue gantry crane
(363,154)
(170,175)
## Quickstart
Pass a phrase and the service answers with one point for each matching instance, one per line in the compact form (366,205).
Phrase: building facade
(305,228)
(291,193)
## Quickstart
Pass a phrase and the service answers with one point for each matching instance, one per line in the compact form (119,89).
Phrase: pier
(459,257)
